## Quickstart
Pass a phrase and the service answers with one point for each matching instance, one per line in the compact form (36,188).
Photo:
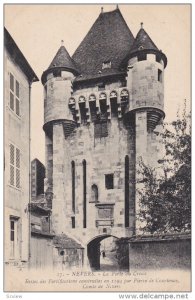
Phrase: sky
(39,29)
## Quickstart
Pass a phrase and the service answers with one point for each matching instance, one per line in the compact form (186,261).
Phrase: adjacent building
(18,79)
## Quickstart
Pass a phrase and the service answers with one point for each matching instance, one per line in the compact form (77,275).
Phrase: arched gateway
(93,251)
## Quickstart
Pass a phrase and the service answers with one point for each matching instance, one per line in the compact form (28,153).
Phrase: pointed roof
(62,60)
(143,42)
(108,41)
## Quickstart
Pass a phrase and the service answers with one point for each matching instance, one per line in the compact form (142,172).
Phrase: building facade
(18,78)
(101,109)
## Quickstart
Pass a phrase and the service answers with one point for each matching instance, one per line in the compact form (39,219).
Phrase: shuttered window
(14,101)
(11,82)
(17,89)
(14,166)
(17,107)
(12,163)
(11,103)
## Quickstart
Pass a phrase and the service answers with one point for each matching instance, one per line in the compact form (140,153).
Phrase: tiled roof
(143,42)
(63,59)
(63,241)
(108,41)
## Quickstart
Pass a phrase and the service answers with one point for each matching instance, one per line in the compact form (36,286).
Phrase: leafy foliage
(165,200)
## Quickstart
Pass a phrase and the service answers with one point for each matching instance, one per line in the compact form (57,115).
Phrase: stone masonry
(100,116)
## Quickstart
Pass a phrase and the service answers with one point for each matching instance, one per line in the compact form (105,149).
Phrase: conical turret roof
(143,42)
(62,60)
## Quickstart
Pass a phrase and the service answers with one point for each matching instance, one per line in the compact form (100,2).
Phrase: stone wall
(127,136)
(146,89)
(160,253)
(57,92)
(104,155)
(64,259)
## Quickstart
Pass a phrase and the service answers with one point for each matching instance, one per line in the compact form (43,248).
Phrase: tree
(165,200)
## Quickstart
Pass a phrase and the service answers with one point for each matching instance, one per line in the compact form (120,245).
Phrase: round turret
(146,78)
(57,81)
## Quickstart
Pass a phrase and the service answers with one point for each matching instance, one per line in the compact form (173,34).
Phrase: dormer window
(101,86)
(141,47)
(106,65)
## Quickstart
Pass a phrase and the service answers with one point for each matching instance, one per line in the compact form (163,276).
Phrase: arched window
(126,191)
(94,193)
(84,194)
(73,185)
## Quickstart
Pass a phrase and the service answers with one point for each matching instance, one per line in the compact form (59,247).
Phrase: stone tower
(145,82)
(101,108)
(58,122)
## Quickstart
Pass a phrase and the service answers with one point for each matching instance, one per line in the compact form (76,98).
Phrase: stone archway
(93,251)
